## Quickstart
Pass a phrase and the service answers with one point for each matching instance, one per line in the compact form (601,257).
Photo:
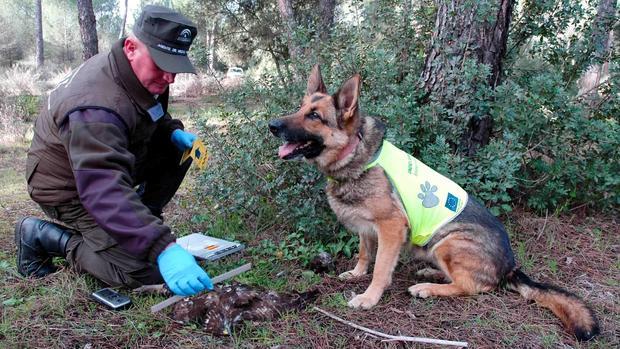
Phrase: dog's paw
(431,274)
(421,290)
(363,301)
(350,275)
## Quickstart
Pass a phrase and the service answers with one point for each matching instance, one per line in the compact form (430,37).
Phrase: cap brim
(171,63)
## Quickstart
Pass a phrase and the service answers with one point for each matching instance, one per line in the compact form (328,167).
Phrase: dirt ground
(578,252)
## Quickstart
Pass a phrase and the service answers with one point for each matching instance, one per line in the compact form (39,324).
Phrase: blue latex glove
(183,140)
(182,274)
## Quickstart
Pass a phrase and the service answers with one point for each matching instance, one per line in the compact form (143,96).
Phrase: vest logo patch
(429,199)
(452,202)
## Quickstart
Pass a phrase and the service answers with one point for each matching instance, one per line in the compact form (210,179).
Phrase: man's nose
(169,77)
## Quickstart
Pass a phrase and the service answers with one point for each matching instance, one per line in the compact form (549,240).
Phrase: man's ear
(130,47)
(315,82)
(347,97)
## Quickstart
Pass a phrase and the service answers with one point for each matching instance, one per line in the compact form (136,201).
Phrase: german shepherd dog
(472,252)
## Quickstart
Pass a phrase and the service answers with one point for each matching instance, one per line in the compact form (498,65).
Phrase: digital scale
(207,247)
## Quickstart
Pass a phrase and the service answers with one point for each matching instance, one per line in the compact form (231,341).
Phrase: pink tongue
(286,149)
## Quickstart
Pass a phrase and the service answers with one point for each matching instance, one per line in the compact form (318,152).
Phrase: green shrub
(568,156)
(245,177)
(28,105)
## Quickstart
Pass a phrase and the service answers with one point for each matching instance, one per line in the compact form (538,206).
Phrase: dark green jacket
(91,140)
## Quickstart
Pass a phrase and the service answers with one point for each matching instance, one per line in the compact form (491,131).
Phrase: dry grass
(12,129)
(20,88)
(190,86)
(19,80)
(14,118)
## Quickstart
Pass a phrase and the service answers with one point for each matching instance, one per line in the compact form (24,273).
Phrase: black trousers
(91,250)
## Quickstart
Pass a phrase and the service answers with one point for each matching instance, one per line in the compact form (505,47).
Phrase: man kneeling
(104,131)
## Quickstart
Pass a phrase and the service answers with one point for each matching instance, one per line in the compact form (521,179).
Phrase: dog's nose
(275,126)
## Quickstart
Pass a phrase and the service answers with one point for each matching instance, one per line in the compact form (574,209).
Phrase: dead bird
(322,263)
(227,306)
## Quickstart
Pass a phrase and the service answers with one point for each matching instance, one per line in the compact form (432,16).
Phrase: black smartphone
(111,298)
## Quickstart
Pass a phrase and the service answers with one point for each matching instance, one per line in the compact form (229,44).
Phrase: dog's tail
(574,313)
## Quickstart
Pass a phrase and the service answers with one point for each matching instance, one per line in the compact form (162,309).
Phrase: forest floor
(577,252)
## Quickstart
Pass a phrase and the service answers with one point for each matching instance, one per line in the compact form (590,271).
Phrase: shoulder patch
(156,112)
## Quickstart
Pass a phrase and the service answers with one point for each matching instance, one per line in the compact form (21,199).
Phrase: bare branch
(390,337)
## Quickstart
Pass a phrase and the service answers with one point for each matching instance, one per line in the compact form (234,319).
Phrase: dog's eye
(313,116)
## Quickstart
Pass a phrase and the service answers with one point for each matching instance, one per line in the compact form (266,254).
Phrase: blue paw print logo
(429,199)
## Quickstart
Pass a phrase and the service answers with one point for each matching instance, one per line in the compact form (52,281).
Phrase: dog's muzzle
(276,126)
(297,142)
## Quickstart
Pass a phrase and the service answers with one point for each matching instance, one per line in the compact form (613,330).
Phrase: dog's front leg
(368,244)
(391,237)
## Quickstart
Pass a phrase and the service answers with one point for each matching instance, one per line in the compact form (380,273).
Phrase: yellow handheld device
(198,153)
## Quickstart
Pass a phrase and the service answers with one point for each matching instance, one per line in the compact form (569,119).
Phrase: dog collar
(350,147)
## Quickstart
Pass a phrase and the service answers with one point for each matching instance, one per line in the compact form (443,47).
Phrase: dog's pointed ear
(315,82)
(347,98)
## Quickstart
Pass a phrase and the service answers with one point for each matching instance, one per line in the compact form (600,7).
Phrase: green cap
(167,35)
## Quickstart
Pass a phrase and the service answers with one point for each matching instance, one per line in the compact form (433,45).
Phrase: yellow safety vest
(430,199)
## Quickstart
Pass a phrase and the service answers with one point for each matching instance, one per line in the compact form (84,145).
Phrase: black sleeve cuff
(159,245)
(169,125)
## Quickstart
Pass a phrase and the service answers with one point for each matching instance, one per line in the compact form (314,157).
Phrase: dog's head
(323,125)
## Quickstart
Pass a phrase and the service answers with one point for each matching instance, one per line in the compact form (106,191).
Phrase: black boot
(37,242)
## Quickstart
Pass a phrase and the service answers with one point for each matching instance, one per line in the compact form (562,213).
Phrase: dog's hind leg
(470,272)
(391,237)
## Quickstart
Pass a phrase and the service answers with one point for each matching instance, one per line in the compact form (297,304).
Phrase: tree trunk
(276,60)
(121,33)
(208,38)
(602,37)
(38,29)
(326,21)
(88,28)
(286,12)
(602,28)
(493,38)
(212,42)
(462,31)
